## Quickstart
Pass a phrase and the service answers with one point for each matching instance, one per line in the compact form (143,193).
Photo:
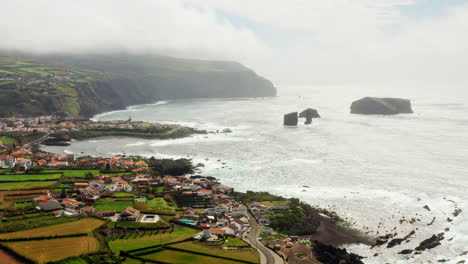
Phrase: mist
(289,42)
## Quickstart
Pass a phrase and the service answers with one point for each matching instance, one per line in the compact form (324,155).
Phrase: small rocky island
(291,119)
(381,106)
(308,114)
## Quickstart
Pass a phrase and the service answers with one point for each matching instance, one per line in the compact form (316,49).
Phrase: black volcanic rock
(308,114)
(331,255)
(431,242)
(381,106)
(290,119)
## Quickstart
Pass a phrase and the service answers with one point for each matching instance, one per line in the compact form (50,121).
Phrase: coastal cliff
(84,85)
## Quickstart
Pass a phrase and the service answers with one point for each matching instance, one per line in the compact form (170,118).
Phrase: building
(129,214)
(49,205)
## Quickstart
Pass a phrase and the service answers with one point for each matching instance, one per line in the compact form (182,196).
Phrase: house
(279,207)
(55,194)
(41,198)
(239,211)
(49,205)
(108,231)
(22,162)
(105,213)
(90,193)
(70,212)
(87,210)
(204,192)
(230,230)
(72,203)
(129,214)
(220,233)
(120,186)
(97,184)
(78,185)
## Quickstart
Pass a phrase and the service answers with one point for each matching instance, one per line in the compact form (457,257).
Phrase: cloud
(163,26)
(333,41)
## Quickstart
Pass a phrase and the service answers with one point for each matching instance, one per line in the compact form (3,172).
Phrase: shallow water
(372,169)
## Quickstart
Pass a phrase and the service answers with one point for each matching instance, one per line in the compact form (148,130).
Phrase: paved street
(266,255)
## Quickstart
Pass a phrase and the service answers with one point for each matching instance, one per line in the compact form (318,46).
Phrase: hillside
(85,85)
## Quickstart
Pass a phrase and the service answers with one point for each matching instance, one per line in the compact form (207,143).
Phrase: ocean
(376,171)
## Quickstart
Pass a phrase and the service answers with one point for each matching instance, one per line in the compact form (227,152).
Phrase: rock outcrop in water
(290,119)
(381,106)
(308,114)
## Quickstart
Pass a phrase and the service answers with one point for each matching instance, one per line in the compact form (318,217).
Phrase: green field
(32,222)
(247,254)
(178,234)
(85,225)
(25,185)
(74,173)
(7,140)
(170,256)
(29,177)
(7,72)
(122,195)
(278,203)
(110,203)
(159,203)
(36,70)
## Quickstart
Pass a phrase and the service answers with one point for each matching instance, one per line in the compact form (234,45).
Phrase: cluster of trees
(171,167)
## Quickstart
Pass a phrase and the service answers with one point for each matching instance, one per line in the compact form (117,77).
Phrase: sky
(291,42)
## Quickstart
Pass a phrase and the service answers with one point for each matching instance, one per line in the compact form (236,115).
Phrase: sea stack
(308,114)
(381,106)
(290,119)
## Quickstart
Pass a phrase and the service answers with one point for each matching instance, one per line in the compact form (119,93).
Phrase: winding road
(266,255)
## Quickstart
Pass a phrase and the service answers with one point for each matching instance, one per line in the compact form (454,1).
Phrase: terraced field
(29,177)
(170,256)
(42,251)
(154,240)
(25,185)
(77,227)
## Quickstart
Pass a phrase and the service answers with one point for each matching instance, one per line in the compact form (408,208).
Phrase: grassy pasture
(25,185)
(74,173)
(36,70)
(7,72)
(32,221)
(247,254)
(29,177)
(55,249)
(115,204)
(170,256)
(178,234)
(81,226)
(8,140)
(159,203)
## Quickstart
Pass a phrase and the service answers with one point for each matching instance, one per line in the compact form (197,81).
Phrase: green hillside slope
(88,84)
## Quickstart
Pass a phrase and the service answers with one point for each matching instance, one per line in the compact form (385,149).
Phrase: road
(266,255)
(39,140)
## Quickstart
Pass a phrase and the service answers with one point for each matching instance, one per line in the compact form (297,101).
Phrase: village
(129,202)
(54,124)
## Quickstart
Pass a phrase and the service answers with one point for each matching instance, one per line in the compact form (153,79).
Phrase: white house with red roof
(49,205)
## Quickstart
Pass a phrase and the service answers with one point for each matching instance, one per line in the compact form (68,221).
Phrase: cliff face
(89,84)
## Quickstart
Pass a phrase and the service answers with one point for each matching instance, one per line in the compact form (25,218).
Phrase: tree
(63,193)
(89,175)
